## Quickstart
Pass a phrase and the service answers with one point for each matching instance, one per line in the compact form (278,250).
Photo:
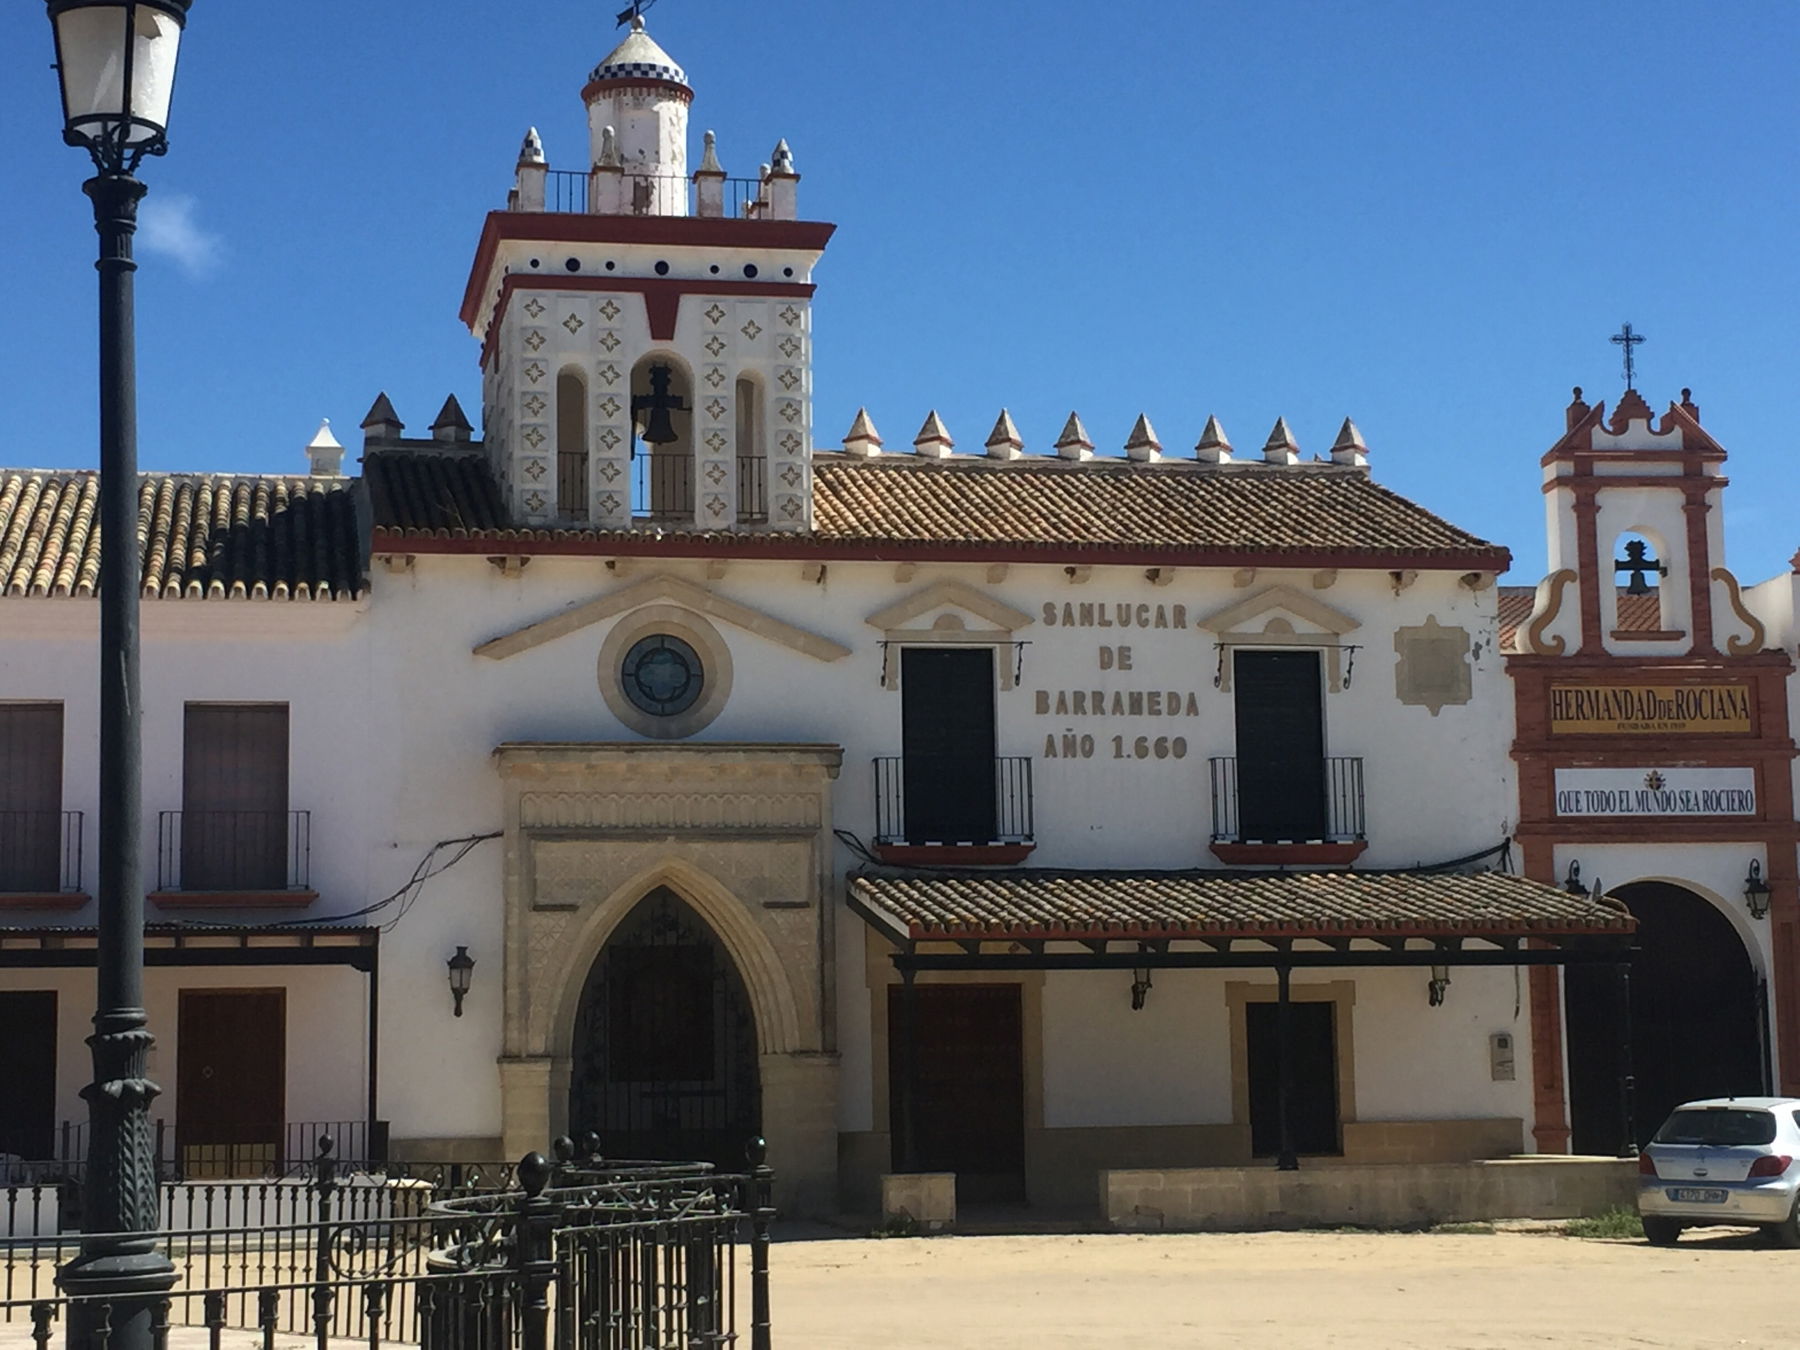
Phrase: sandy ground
(1445,1292)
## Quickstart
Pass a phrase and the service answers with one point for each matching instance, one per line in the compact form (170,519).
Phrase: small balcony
(234,858)
(40,859)
(951,810)
(657,194)
(1265,813)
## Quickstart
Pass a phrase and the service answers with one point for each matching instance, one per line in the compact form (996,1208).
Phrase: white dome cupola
(641,97)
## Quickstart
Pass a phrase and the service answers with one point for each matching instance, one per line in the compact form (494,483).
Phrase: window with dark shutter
(947,744)
(31,773)
(1280,746)
(234,797)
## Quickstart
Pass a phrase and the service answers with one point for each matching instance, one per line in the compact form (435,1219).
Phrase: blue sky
(1427,216)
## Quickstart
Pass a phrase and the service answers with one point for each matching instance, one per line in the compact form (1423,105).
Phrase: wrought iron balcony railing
(1266,806)
(647,194)
(234,851)
(926,799)
(40,852)
(752,489)
(662,488)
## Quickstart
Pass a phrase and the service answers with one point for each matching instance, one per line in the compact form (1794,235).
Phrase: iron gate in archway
(665,1061)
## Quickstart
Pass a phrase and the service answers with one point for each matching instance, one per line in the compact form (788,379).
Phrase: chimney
(325,457)
(382,423)
(451,426)
(1213,447)
(862,441)
(933,440)
(1281,447)
(1074,443)
(1143,445)
(1004,441)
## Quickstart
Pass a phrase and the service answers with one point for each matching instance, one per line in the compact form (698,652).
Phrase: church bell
(660,429)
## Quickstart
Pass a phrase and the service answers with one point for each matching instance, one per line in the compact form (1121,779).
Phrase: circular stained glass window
(662,675)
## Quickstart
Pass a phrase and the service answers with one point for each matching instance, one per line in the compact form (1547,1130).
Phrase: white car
(1727,1160)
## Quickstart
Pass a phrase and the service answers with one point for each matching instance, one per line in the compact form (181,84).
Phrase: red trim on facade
(809,548)
(1587,554)
(44,900)
(1549,1099)
(1280,855)
(1699,554)
(662,296)
(803,236)
(1648,634)
(232,899)
(953,855)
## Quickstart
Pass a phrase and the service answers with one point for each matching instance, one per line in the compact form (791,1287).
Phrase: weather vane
(635,13)
(1627,339)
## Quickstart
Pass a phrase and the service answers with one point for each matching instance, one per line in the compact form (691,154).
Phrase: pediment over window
(942,613)
(1280,616)
(662,588)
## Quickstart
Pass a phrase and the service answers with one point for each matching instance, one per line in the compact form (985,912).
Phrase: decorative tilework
(790,442)
(534,372)
(609,406)
(751,330)
(790,316)
(715,473)
(607,503)
(535,339)
(610,340)
(790,346)
(715,376)
(534,437)
(610,309)
(715,408)
(535,404)
(715,344)
(535,469)
(535,307)
(714,314)
(609,469)
(716,442)
(535,502)
(790,508)
(788,378)
(790,474)
(716,504)
(609,438)
(573,324)
(608,374)
(789,410)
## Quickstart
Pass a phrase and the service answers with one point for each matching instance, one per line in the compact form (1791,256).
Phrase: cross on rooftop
(1627,339)
(635,13)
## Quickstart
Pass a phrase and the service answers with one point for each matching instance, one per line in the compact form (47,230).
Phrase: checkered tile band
(638,70)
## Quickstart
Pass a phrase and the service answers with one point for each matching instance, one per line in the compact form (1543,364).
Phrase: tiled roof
(217,536)
(1637,613)
(1035,504)
(1070,905)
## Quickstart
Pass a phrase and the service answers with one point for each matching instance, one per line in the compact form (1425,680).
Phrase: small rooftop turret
(1004,442)
(1143,445)
(451,425)
(1281,447)
(382,422)
(1213,447)
(1349,447)
(933,440)
(1075,443)
(862,440)
(324,456)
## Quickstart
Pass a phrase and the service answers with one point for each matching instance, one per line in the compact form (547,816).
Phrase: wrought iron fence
(753,489)
(40,852)
(584,1254)
(1340,807)
(1010,822)
(233,850)
(662,487)
(646,194)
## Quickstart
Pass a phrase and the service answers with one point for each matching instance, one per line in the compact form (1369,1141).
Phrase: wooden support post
(1288,1161)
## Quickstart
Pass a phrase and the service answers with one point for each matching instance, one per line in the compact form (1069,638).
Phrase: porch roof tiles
(1074,906)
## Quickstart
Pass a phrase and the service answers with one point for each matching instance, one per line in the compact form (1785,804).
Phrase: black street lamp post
(115,60)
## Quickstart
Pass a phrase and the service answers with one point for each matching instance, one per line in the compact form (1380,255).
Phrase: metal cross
(635,12)
(1637,564)
(1628,339)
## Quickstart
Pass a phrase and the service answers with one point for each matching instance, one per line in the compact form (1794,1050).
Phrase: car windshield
(1717,1126)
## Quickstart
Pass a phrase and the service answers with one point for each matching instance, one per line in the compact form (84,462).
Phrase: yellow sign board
(1635,709)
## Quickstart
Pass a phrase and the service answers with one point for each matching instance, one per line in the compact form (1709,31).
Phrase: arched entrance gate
(1696,1026)
(665,1062)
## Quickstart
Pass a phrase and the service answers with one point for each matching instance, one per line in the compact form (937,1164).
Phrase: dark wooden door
(947,744)
(231,1080)
(1313,1107)
(28,1074)
(31,772)
(1693,1030)
(1280,746)
(665,1042)
(969,1114)
(234,797)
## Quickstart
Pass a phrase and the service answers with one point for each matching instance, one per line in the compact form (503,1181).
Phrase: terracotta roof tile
(217,536)
(980,502)
(1071,905)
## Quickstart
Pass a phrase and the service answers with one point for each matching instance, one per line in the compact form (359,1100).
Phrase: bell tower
(646,331)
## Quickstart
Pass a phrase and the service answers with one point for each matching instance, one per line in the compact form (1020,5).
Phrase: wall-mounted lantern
(1756,891)
(1440,984)
(1140,988)
(462,967)
(1572,883)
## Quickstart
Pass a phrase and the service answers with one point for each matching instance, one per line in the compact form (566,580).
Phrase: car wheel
(1787,1232)
(1661,1232)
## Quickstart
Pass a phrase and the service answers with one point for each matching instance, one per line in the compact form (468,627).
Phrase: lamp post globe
(115,60)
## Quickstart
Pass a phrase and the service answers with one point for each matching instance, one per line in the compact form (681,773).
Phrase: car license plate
(1697,1195)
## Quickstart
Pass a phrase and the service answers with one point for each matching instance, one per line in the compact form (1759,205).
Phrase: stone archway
(663,1060)
(1695,1027)
(740,836)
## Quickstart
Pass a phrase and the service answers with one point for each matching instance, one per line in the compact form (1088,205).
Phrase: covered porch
(1172,1021)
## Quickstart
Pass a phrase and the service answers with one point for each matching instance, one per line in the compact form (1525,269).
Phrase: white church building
(1007,809)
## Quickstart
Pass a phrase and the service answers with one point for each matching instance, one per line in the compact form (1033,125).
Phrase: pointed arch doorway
(664,1061)
(1695,1028)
